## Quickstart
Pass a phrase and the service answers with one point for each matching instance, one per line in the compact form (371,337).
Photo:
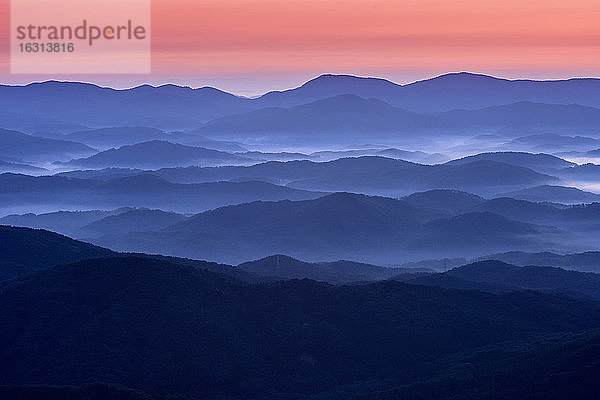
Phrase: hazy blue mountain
(585,262)
(26,250)
(333,227)
(550,142)
(480,231)
(558,194)
(116,136)
(19,120)
(526,115)
(521,210)
(276,156)
(130,221)
(19,168)
(333,272)
(543,163)
(145,190)
(339,226)
(176,107)
(19,145)
(444,201)
(345,114)
(54,130)
(81,102)
(400,178)
(586,172)
(155,154)
(329,85)
(593,153)
(331,155)
(414,156)
(191,139)
(432,265)
(285,172)
(283,337)
(104,174)
(64,222)
(373,175)
(471,91)
(442,93)
(507,277)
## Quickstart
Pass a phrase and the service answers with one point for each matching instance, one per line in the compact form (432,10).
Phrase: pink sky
(253,46)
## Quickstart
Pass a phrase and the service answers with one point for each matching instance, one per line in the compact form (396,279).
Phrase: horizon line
(349,75)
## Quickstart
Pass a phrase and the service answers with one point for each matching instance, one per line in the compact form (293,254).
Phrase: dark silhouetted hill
(124,319)
(26,250)
(550,279)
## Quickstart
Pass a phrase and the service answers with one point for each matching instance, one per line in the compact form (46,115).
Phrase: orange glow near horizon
(397,39)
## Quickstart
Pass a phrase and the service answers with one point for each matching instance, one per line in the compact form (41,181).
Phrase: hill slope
(26,250)
(127,318)
(154,154)
(338,226)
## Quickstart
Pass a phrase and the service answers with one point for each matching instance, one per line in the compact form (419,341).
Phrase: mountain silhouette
(442,93)
(496,276)
(154,154)
(332,272)
(144,190)
(26,250)
(66,223)
(344,114)
(129,317)
(130,221)
(17,145)
(116,136)
(584,262)
(177,107)
(444,201)
(338,226)
(558,194)
(543,163)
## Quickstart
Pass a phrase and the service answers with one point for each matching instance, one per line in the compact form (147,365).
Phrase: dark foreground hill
(170,329)
(24,250)
(497,276)
(27,250)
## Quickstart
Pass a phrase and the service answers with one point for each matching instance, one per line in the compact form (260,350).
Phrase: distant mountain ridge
(78,102)
(155,154)
(140,190)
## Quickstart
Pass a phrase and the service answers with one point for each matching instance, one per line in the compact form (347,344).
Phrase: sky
(252,46)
